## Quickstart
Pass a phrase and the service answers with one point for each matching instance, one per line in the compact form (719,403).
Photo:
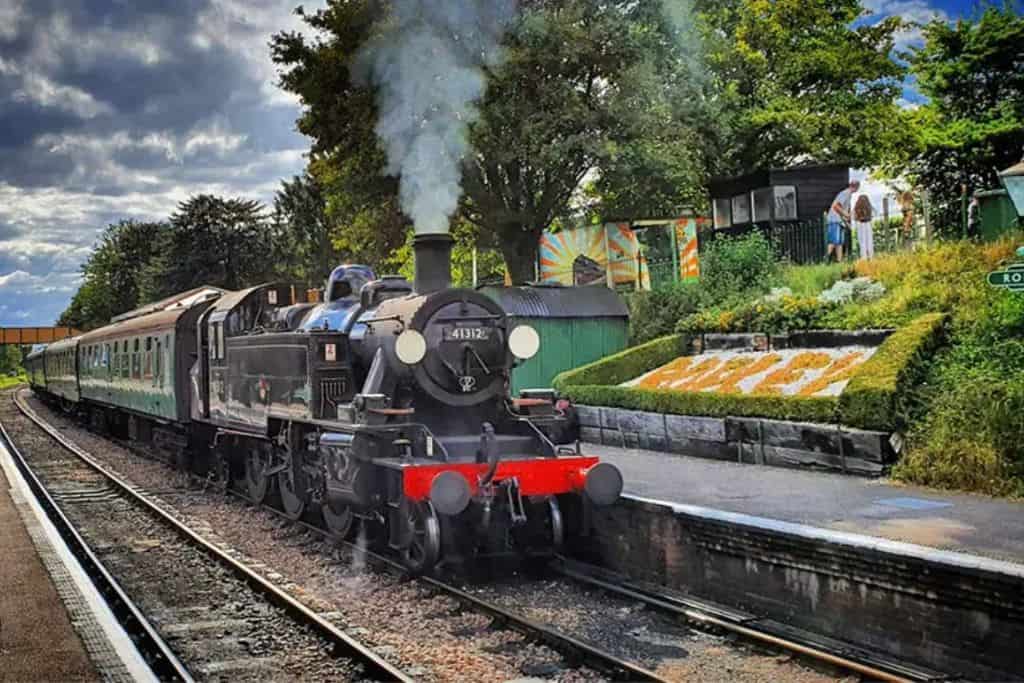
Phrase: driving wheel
(339,519)
(424,547)
(257,481)
(291,482)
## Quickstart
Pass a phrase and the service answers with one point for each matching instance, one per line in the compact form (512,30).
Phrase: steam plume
(427,66)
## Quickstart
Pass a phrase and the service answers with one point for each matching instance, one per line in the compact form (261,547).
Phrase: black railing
(800,242)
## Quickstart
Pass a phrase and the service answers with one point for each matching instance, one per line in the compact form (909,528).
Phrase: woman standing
(863,214)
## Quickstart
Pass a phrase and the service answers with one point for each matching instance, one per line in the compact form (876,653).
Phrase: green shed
(577,325)
(997,213)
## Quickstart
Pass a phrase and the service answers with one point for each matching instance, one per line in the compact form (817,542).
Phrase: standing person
(838,216)
(863,214)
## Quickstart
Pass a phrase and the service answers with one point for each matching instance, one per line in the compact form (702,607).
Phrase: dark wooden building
(787,204)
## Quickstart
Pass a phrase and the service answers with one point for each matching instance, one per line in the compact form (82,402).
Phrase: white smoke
(427,67)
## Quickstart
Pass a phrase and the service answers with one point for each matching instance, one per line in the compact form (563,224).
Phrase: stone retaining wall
(748,440)
(959,614)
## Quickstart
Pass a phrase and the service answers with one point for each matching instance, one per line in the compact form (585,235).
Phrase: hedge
(625,365)
(796,408)
(871,399)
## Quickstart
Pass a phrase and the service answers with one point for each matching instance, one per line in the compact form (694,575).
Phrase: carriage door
(217,358)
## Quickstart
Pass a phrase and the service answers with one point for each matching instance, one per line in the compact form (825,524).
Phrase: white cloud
(911,11)
(40,90)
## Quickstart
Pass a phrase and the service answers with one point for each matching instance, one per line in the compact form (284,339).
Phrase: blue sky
(112,109)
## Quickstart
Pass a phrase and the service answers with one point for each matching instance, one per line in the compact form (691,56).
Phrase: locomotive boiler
(384,408)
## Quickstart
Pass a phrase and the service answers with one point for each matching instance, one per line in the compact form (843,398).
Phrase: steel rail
(890,672)
(376,668)
(150,646)
(573,649)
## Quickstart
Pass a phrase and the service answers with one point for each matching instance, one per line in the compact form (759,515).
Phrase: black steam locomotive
(386,406)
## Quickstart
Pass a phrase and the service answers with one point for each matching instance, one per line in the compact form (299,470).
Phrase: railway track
(197,613)
(576,652)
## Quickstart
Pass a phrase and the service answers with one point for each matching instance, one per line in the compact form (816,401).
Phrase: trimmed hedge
(624,365)
(796,408)
(871,399)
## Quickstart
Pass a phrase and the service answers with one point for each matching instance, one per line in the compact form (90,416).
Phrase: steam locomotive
(384,407)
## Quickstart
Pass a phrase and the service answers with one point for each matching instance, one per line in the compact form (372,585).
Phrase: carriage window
(136,345)
(149,343)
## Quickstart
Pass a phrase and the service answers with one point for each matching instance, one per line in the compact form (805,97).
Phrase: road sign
(1012,278)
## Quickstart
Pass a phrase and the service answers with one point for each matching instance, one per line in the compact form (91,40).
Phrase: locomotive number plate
(467,334)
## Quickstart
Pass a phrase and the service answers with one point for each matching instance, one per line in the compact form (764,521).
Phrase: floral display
(783,372)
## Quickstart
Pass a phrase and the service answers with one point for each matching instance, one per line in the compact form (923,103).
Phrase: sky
(119,109)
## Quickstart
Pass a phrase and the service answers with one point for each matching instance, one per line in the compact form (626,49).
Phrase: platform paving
(38,642)
(972,524)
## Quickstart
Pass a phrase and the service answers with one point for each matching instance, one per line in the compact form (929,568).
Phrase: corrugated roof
(543,301)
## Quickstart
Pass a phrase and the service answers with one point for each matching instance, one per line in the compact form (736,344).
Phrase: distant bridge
(35,335)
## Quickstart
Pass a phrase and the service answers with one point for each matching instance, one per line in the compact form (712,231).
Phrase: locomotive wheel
(291,482)
(257,481)
(424,548)
(340,521)
(557,525)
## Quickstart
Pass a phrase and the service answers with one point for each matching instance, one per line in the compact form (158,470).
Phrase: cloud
(122,110)
(915,12)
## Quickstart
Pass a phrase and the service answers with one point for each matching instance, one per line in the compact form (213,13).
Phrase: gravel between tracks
(428,634)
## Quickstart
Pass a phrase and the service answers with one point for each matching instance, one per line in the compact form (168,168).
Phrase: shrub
(733,269)
(625,365)
(654,314)
(871,399)
(735,265)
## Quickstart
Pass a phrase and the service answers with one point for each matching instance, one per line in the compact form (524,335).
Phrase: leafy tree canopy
(111,277)
(585,87)
(972,126)
(212,241)
(302,232)
(799,81)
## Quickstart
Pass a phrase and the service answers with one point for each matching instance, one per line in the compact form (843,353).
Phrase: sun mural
(784,372)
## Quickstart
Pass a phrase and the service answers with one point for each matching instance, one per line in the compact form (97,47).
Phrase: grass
(6,381)
(806,281)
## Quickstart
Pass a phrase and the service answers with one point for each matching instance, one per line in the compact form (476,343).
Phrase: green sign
(1012,278)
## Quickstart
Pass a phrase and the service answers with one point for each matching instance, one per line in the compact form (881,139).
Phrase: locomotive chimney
(433,256)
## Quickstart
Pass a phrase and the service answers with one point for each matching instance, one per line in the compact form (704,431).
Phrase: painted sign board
(1011,278)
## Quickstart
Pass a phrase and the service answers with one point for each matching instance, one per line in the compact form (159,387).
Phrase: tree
(798,81)
(10,359)
(972,126)
(585,85)
(112,275)
(303,247)
(212,241)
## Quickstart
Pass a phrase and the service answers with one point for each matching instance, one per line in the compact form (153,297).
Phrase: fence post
(927,210)
(675,253)
(609,278)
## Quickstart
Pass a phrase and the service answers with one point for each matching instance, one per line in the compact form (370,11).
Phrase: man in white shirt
(838,216)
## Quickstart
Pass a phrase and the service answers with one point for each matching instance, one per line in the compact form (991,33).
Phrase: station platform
(53,624)
(962,523)
(921,578)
